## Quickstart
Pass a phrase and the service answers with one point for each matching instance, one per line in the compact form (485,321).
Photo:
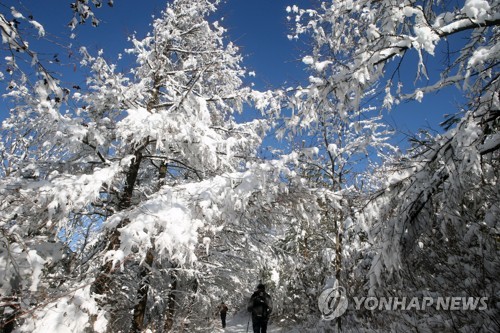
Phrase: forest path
(239,322)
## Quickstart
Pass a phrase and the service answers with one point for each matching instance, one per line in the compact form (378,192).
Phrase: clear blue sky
(259,27)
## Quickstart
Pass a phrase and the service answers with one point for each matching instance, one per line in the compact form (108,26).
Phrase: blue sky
(259,27)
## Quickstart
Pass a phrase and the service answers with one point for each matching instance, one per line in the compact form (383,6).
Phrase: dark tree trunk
(169,318)
(142,294)
(103,282)
(338,256)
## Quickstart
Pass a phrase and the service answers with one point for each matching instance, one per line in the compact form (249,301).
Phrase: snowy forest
(139,201)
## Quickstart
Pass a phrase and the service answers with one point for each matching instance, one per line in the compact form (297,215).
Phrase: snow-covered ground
(238,323)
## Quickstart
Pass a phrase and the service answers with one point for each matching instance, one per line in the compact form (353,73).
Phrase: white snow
(36,263)
(321,65)
(39,27)
(419,95)
(476,10)
(308,60)
(239,322)
(16,14)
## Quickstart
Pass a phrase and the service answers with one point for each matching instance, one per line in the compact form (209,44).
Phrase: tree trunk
(142,294)
(103,282)
(169,320)
(338,256)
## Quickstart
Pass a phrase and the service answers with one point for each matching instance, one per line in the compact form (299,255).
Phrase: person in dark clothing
(223,312)
(260,305)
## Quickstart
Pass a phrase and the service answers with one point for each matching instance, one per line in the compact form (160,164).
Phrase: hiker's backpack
(259,304)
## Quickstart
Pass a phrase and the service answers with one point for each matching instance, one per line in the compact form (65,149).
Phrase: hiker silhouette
(223,312)
(260,305)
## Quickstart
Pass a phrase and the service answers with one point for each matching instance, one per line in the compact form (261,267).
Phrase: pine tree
(123,178)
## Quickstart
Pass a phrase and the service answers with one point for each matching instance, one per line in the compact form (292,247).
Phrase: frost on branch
(83,11)
(145,167)
(368,37)
(426,214)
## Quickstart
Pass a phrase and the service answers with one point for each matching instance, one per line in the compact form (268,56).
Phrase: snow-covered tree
(139,201)
(439,201)
(335,134)
(28,253)
(144,171)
